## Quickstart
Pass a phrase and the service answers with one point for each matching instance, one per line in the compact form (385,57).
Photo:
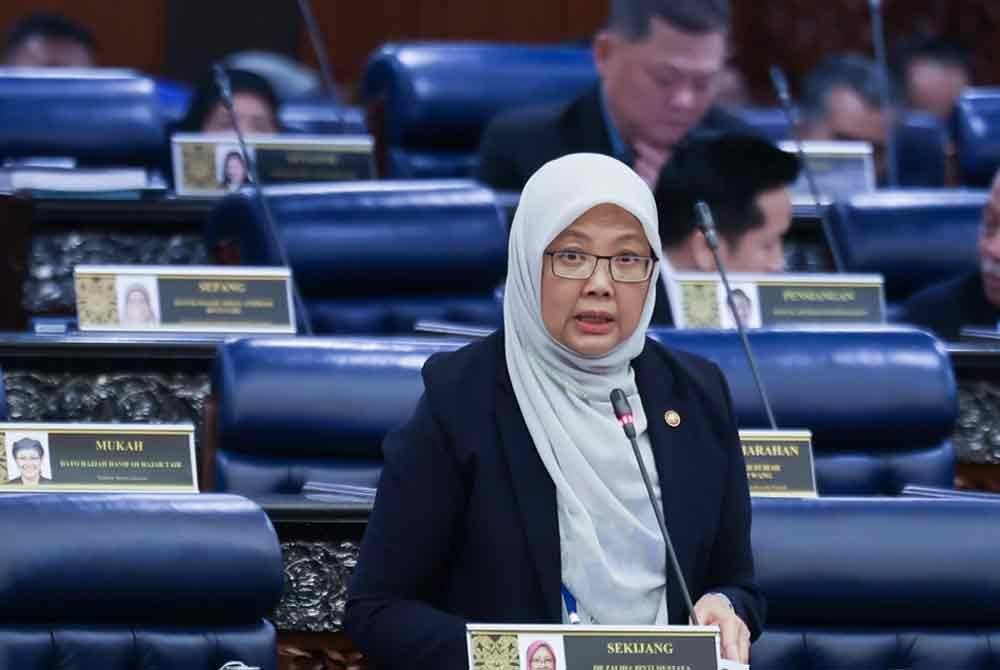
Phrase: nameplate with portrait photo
(211,164)
(841,169)
(779,463)
(588,647)
(110,457)
(184,298)
(698,300)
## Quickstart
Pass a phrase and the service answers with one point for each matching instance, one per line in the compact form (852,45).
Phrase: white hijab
(613,557)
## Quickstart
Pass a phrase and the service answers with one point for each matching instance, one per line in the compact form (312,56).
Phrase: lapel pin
(672,418)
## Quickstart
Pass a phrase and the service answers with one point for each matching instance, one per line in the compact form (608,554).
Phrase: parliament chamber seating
(137,582)
(881,404)
(432,101)
(98,117)
(321,116)
(977,135)
(912,238)
(375,257)
(877,583)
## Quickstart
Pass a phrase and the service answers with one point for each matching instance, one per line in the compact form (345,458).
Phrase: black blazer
(516,144)
(465,525)
(947,307)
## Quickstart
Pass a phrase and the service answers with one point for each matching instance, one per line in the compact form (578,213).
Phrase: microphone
(878,40)
(780,83)
(706,224)
(623,412)
(319,47)
(224,85)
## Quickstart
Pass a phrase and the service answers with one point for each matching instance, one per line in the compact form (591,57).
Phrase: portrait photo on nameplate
(211,164)
(775,300)
(531,647)
(98,457)
(779,463)
(184,298)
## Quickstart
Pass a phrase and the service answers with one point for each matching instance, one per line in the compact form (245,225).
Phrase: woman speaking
(512,495)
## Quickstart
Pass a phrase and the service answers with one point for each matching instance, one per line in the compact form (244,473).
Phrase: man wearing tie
(658,63)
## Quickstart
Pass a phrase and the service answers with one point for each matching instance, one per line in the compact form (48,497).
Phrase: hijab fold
(612,555)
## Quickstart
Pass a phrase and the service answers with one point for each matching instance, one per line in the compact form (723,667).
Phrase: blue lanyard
(570,603)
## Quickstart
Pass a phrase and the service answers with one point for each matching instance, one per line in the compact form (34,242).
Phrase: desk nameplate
(581,647)
(211,164)
(184,298)
(698,299)
(841,169)
(779,463)
(109,457)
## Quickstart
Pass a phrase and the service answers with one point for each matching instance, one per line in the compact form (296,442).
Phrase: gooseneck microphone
(780,83)
(623,412)
(878,40)
(319,47)
(706,224)
(226,94)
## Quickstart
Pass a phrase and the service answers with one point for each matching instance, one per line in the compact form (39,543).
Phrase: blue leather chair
(877,583)
(321,116)
(921,151)
(881,404)
(977,135)
(136,581)
(99,117)
(431,101)
(771,122)
(912,238)
(374,257)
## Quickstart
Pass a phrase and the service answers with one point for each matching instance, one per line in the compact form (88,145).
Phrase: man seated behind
(972,299)
(658,62)
(745,180)
(49,40)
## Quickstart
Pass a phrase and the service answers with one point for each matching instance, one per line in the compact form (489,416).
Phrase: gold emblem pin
(672,418)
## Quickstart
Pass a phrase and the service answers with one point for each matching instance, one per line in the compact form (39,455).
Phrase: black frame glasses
(650,262)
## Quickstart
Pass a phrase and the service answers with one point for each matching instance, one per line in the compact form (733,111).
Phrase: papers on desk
(76,180)
(338,493)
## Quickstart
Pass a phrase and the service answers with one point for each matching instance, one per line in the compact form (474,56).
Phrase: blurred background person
(842,101)
(932,73)
(659,63)
(747,182)
(49,40)
(254,101)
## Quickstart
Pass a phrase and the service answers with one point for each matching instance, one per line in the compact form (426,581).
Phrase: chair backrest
(99,117)
(877,583)
(771,122)
(977,135)
(921,151)
(321,116)
(880,404)
(912,238)
(137,581)
(433,100)
(374,257)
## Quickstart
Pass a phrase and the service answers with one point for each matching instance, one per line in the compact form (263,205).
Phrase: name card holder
(112,457)
(585,647)
(779,463)
(211,164)
(698,300)
(841,169)
(184,298)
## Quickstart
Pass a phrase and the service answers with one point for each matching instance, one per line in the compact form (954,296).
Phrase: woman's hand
(714,609)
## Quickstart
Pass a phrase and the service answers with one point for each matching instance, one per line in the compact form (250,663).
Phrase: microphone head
(619,403)
(780,83)
(706,224)
(222,82)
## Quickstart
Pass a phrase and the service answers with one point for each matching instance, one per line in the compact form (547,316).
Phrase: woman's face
(542,659)
(592,316)
(137,308)
(235,170)
(253,112)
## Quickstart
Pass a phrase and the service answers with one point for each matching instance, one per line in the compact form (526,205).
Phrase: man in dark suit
(746,181)
(969,300)
(659,64)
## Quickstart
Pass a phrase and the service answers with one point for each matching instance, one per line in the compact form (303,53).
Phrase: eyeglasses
(625,268)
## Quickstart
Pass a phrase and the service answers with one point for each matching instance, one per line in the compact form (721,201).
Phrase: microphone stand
(226,94)
(878,40)
(706,225)
(619,402)
(780,83)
